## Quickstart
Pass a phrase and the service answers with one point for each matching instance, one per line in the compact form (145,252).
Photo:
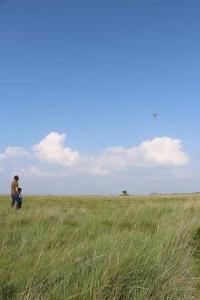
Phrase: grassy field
(100,248)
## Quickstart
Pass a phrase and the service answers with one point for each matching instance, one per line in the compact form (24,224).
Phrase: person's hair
(19,190)
(16,177)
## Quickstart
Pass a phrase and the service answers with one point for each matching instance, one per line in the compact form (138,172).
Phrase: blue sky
(96,71)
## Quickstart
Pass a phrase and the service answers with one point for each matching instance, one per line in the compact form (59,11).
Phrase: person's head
(16,177)
(19,190)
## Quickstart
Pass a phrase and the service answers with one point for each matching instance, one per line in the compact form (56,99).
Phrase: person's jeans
(15,201)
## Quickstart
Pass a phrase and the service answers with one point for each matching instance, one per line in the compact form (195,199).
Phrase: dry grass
(100,248)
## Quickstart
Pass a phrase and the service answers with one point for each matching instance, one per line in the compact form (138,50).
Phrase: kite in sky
(155,115)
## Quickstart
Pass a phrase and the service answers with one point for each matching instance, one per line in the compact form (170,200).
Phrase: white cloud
(13,152)
(159,164)
(158,152)
(161,151)
(52,149)
(164,151)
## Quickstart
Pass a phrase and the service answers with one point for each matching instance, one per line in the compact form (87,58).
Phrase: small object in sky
(155,115)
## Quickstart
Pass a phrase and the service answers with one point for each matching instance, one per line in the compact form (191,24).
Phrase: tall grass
(100,248)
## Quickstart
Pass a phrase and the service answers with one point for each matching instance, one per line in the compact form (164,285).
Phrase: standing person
(15,192)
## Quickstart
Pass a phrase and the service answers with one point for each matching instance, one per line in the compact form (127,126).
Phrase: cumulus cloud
(164,152)
(158,152)
(14,152)
(52,149)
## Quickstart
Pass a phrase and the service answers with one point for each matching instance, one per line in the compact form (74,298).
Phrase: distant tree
(124,193)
